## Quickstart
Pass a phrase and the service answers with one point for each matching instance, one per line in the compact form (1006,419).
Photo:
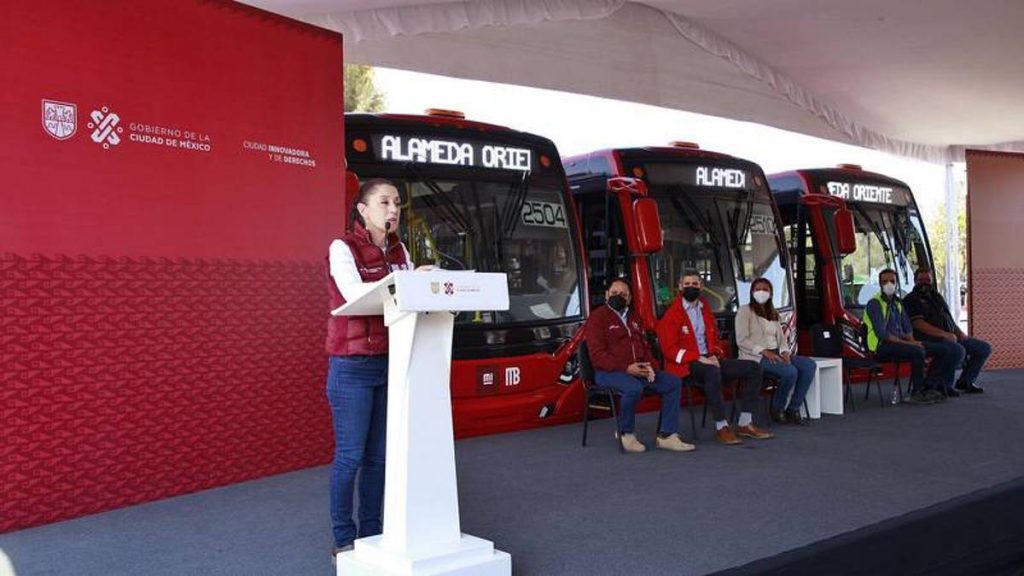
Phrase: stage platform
(846,483)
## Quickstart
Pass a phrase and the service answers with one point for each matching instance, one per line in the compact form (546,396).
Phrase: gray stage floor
(561,509)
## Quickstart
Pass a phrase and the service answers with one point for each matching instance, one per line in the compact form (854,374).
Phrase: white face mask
(889,289)
(761,296)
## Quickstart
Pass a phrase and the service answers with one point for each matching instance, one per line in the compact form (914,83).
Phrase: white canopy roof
(919,78)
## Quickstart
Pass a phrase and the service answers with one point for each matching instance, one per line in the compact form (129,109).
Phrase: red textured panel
(994,315)
(127,380)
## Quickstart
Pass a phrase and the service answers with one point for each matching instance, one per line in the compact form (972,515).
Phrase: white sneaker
(674,443)
(631,444)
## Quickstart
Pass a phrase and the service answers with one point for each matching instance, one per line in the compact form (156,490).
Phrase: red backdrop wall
(171,172)
(995,210)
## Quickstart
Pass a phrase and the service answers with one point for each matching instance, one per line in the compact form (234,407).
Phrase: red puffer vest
(361,335)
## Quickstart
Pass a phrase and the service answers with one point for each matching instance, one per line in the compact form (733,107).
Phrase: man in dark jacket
(623,360)
(932,322)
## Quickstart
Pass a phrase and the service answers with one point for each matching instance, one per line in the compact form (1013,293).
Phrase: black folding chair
(827,342)
(593,391)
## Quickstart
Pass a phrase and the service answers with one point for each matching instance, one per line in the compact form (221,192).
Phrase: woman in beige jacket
(759,338)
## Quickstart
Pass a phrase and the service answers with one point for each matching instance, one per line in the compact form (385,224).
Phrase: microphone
(387,230)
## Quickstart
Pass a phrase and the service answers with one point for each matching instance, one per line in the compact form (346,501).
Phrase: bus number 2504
(547,214)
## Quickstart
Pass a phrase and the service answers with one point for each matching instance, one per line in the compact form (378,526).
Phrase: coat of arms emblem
(435,287)
(60,119)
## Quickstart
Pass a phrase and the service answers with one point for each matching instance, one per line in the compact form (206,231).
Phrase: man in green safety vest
(891,339)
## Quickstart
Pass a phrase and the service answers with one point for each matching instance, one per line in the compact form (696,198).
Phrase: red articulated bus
(843,226)
(711,212)
(491,199)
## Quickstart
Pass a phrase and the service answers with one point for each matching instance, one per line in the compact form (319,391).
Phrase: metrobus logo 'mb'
(105,127)
(512,376)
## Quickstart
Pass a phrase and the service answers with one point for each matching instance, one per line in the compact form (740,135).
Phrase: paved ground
(562,509)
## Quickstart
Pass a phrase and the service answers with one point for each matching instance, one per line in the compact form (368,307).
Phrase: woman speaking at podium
(357,376)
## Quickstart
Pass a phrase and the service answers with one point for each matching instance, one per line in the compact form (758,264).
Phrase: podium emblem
(60,119)
(435,287)
(449,288)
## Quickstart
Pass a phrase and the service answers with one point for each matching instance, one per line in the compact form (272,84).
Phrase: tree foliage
(938,232)
(361,94)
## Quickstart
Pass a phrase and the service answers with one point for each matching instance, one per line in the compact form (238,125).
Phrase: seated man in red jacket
(623,361)
(689,338)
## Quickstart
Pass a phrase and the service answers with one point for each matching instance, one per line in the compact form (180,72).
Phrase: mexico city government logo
(105,127)
(60,119)
(449,288)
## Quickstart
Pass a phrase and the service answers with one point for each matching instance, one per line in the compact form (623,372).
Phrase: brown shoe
(751,431)
(725,436)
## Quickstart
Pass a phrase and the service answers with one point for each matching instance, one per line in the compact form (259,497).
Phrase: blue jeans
(798,373)
(632,389)
(357,389)
(908,354)
(978,352)
(947,356)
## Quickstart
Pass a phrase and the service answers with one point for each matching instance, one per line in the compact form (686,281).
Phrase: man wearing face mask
(933,323)
(689,338)
(623,361)
(891,338)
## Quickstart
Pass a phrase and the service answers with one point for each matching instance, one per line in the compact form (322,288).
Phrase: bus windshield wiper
(875,228)
(686,208)
(697,222)
(902,247)
(513,208)
(737,233)
(446,209)
(492,260)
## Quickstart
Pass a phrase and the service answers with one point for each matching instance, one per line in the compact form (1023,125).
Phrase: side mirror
(648,225)
(846,237)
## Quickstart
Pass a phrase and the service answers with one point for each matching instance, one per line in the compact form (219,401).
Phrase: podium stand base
(472,556)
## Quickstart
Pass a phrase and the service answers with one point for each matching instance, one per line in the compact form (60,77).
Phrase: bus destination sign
(864,192)
(721,177)
(395,148)
(700,175)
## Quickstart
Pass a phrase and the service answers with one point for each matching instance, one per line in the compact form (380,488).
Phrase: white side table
(828,384)
(813,398)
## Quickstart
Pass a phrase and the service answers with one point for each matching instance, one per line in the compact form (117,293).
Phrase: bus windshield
(516,227)
(727,235)
(887,237)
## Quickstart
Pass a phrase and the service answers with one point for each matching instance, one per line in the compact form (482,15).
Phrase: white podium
(421,502)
